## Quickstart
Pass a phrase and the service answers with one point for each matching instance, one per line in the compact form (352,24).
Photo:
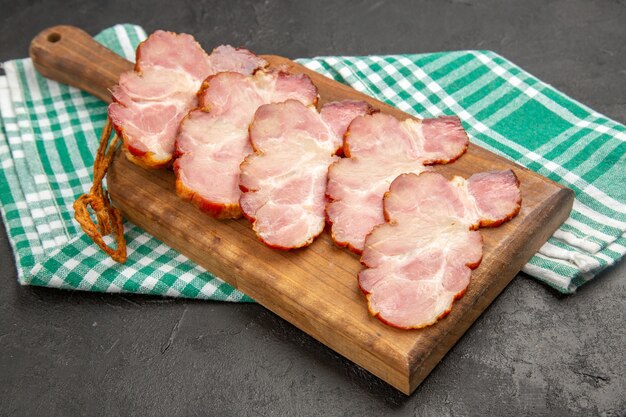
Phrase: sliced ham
(284,180)
(379,147)
(150,101)
(213,139)
(420,260)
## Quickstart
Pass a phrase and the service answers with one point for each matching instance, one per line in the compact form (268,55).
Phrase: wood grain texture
(69,55)
(316,288)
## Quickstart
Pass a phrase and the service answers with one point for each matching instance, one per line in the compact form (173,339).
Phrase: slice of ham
(149,102)
(379,147)
(420,260)
(284,180)
(213,139)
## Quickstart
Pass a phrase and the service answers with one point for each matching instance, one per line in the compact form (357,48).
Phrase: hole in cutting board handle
(54,37)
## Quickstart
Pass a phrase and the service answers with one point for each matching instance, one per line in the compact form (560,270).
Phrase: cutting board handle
(69,55)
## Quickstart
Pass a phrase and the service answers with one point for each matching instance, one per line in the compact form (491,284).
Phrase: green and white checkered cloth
(50,133)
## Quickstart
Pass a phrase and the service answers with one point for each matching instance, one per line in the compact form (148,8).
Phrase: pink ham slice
(150,101)
(213,139)
(284,180)
(379,147)
(420,260)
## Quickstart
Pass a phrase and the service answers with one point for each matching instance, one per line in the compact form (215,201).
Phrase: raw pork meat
(284,180)
(379,147)
(149,102)
(421,259)
(213,139)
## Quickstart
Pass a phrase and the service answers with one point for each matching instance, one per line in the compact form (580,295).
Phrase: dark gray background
(533,352)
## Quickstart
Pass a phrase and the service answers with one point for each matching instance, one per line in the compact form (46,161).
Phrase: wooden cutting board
(313,288)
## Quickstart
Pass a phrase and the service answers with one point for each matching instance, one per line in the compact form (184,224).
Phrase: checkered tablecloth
(49,134)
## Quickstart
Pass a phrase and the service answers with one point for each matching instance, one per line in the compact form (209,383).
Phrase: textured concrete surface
(533,352)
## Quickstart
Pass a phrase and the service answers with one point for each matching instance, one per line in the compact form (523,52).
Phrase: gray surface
(533,352)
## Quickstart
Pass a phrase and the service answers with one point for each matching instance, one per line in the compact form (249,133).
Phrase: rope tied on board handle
(109,218)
